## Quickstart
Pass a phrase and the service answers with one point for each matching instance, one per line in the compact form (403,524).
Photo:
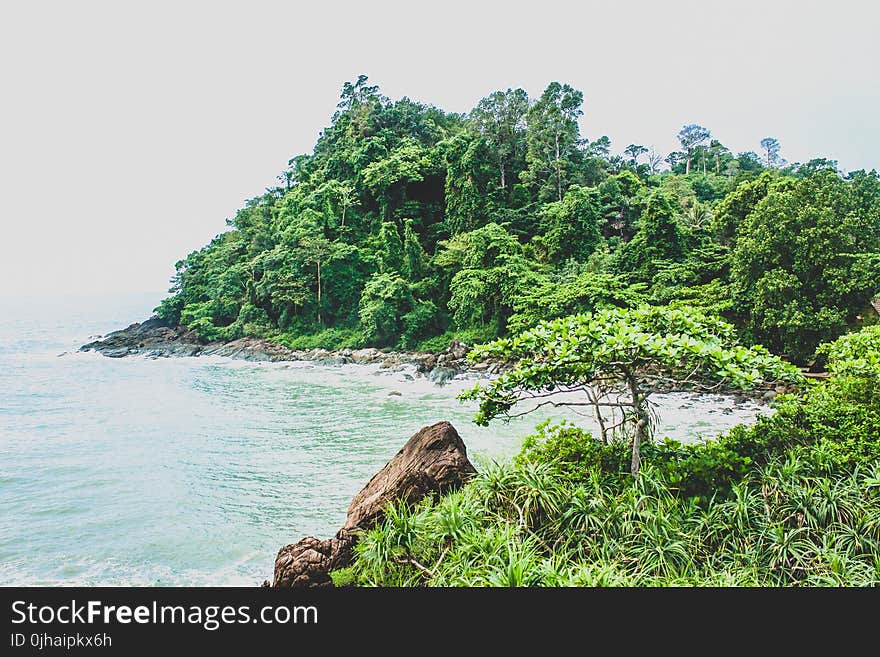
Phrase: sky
(129,131)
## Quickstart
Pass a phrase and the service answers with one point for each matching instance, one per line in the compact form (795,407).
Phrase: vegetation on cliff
(408,225)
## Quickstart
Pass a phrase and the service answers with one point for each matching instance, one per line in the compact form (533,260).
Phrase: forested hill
(407,226)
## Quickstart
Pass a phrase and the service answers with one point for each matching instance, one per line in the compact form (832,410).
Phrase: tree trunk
(558,171)
(641,423)
(594,399)
(319,291)
(687,166)
(637,446)
(503,182)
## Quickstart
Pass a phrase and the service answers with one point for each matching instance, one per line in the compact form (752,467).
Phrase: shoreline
(153,339)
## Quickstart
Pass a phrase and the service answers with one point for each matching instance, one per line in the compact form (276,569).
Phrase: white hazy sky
(129,131)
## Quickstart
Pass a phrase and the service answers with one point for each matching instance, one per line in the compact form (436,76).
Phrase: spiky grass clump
(791,501)
(512,526)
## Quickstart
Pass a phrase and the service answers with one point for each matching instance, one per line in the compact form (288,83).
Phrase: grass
(788,525)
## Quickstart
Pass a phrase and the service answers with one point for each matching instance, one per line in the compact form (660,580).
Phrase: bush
(330,338)
(573,451)
(528,525)
(854,354)
(421,321)
(468,336)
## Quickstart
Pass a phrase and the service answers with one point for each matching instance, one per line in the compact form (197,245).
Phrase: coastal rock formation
(307,564)
(147,337)
(154,339)
(432,462)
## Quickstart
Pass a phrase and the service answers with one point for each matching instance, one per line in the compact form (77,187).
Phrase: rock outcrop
(149,337)
(154,339)
(432,462)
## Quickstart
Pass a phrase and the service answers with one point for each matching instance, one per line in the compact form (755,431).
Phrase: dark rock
(155,339)
(252,349)
(334,360)
(307,564)
(152,337)
(457,349)
(425,363)
(432,462)
(442,375)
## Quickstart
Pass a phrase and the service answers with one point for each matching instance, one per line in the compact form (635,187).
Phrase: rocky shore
(153,339)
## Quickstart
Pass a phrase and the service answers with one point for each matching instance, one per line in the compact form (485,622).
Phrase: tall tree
(691,136)
(720,156)
(659,238)
(553,134)
(391,249)
(414,256)
(316,250)
(804,265)
(770,147)
(344,194)
(357,93)
(655,159)
(634,151)
(468,178)
(571,226)
(388,178)
(500,119)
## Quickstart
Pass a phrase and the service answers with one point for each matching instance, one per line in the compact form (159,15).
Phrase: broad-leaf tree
(615,359)
(804,265)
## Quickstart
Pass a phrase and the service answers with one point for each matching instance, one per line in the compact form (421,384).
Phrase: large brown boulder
(308,563)
(432,462)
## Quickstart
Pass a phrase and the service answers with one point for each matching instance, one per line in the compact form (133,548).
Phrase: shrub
(575,452)
(330,338)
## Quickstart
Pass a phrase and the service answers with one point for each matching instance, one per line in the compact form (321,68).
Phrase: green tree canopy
(802,265)
(619,351)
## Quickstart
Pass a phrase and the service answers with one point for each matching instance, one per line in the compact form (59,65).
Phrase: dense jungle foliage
(408,226)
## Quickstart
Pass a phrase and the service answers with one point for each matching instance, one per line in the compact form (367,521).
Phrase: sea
(195,471)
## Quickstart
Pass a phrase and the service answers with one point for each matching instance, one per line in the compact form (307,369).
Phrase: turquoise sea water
(194,471)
